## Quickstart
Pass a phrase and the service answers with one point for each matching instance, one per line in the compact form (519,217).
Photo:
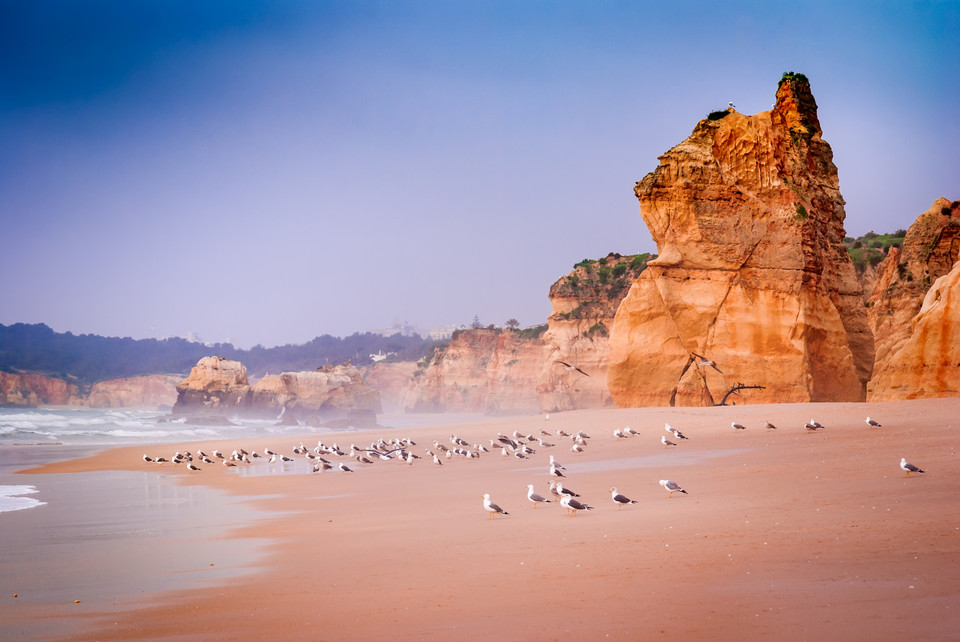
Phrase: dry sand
(785,534)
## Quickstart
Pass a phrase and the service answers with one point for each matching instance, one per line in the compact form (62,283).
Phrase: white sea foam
(11,498)
(90,426)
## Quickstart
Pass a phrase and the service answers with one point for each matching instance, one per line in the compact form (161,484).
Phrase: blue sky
(266,172)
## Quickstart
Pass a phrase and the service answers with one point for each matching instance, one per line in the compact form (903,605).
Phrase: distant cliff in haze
(88,358)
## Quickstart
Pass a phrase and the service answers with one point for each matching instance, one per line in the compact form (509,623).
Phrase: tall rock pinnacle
(752,272)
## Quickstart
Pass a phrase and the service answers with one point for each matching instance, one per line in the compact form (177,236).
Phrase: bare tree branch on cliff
(735,389)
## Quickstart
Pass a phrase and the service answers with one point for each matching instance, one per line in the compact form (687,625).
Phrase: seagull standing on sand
(565,491)
(673,431)
(619,499)
(344,468)
(630,431)
(770,426)
(534,497)
(191,467)
(666,442)
(737,426)
(573,505)
(672,487)
(871,422)
(492,508)
(907,466)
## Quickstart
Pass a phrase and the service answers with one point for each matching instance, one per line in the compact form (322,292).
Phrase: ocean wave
(11,498)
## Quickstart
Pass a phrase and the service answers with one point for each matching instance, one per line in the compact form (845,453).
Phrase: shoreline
(784,534)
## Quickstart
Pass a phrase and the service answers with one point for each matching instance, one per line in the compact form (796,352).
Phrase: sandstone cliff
(391,380)
(218,386)
(30,390)
(214,384)
(481,370)
(149,391)
(752,273)
(914,323)
(584,305)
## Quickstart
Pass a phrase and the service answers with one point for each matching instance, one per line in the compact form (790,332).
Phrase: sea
(108,538)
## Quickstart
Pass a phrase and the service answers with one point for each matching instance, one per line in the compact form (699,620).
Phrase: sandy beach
(784,534)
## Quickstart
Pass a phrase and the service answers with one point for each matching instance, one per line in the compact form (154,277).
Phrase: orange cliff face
(585,302)
(481,370)
(752,273)
(148,391)
(30,390)
(915,311)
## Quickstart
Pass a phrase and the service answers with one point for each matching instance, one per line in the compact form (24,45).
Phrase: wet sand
(785,534)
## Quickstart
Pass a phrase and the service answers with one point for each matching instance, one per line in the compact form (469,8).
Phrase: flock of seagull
(567,498)
(519,446)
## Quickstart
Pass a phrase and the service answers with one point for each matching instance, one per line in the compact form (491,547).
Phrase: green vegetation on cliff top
(871,248)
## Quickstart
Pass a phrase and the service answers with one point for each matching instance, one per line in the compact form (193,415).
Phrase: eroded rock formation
(218,386)
(915,311)
(584,305)
(752,273)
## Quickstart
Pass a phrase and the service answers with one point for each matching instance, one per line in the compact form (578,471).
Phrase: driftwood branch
(736,390)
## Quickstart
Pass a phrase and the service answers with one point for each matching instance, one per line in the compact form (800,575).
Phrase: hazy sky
(270,171)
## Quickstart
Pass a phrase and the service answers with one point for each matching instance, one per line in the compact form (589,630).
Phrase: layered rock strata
(752,283)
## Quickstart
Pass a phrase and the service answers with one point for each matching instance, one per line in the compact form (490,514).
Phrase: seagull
(619,499)
(555,471)
(344,468)
(737,426)
(577,448)
(813,425)
(666,442)
(534,497)
(673,431)
(565,491)
(619,434)
(907,466)
(553,489)
(503,439)
(554,462)
(567,366)
(192,467)
(872,422)
(770,426)
(492,508)
(671,487)
(630,431)
(147,459)
(573,505)
(703,361)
